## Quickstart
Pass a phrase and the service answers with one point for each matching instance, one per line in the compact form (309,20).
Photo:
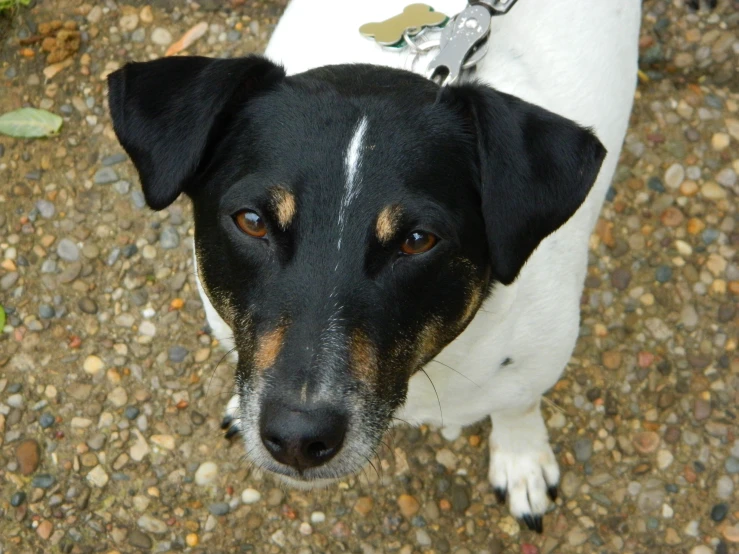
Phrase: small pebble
(105,176)
(719,512)
(206,474)
(43,481)
(68,251)
(46,420)
(219,508)
(250,496)
(161,36)
(169,238)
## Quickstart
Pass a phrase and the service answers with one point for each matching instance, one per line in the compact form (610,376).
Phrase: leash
(462,42)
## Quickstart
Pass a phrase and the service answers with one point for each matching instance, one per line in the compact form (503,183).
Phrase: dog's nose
(302,438)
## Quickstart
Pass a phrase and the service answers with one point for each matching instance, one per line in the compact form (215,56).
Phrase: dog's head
(349,222)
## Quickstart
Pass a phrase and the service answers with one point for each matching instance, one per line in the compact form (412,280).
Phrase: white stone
(447,458)
(15,401)
(724,487)
(683,248)
(92,365)
(278,537)
(140,448)
(97,477)
(692,529)
(80,422)
(118,397)
(147,328)
(317,517)
(152,524)
(206,474)
(129,22)
(210,523)
(674,176)
(95,14)
(719,141)
(557,421)
(713,191)
(250,496)
(664,459)
(716,265)
(161,36)
(164,441)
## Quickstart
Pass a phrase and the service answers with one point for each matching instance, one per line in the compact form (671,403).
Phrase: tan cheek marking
(364,357)
(221,301)
(473,302)
(387,223)
(268,348)
(284,205)
(428,341)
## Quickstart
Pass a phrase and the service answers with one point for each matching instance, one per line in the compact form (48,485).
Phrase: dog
(375,247)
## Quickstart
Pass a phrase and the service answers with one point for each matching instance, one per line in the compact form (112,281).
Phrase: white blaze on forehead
(352,165)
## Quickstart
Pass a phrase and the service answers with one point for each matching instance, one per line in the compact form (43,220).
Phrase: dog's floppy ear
(536,169)
(167,112)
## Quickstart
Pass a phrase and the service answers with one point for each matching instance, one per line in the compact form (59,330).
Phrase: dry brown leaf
(193,34)
(53,69)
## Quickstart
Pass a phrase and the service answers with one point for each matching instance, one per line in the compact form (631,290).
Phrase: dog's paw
(527,478)
(230,422)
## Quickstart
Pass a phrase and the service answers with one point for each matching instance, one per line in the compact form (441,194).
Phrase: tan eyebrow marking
(268,348)
(387,222)
(284,205)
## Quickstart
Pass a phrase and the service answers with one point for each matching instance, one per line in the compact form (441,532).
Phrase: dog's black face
(349,222)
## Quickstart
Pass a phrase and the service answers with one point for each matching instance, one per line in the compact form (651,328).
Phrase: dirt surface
(111,389)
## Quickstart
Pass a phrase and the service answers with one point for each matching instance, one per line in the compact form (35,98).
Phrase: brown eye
(250,222)
(418,242)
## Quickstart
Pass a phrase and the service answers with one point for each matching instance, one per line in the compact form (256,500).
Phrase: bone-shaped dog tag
(412,21)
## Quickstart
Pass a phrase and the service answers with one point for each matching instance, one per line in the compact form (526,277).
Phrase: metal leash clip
(463,42)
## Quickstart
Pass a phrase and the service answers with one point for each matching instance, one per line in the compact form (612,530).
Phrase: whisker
(226,355)
(457,371)
(373,465)
(437,396)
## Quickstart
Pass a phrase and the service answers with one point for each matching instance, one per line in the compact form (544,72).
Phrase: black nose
(302,438)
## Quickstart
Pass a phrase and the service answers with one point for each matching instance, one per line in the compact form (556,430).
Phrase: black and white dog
(357,225)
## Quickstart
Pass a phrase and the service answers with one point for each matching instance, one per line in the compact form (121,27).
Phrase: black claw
(226,422)
(552,492)
(539,523)
(232,431)
(500,495)
(534,523)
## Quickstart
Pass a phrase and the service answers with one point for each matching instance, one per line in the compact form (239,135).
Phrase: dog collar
(461,43)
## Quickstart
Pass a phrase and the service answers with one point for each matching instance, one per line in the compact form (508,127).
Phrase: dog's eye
(250,222)
(418,242)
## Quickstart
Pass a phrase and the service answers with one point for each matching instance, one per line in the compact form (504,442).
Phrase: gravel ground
(111,388)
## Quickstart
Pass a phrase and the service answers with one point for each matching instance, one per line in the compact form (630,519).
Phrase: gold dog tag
(412,21)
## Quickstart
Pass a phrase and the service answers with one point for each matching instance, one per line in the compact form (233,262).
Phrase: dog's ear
(167,112)
(536,169)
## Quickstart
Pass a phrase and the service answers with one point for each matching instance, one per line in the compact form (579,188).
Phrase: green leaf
(2,318)
(30,123)
(7,4)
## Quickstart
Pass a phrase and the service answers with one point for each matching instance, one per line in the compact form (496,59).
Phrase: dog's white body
(577,59)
